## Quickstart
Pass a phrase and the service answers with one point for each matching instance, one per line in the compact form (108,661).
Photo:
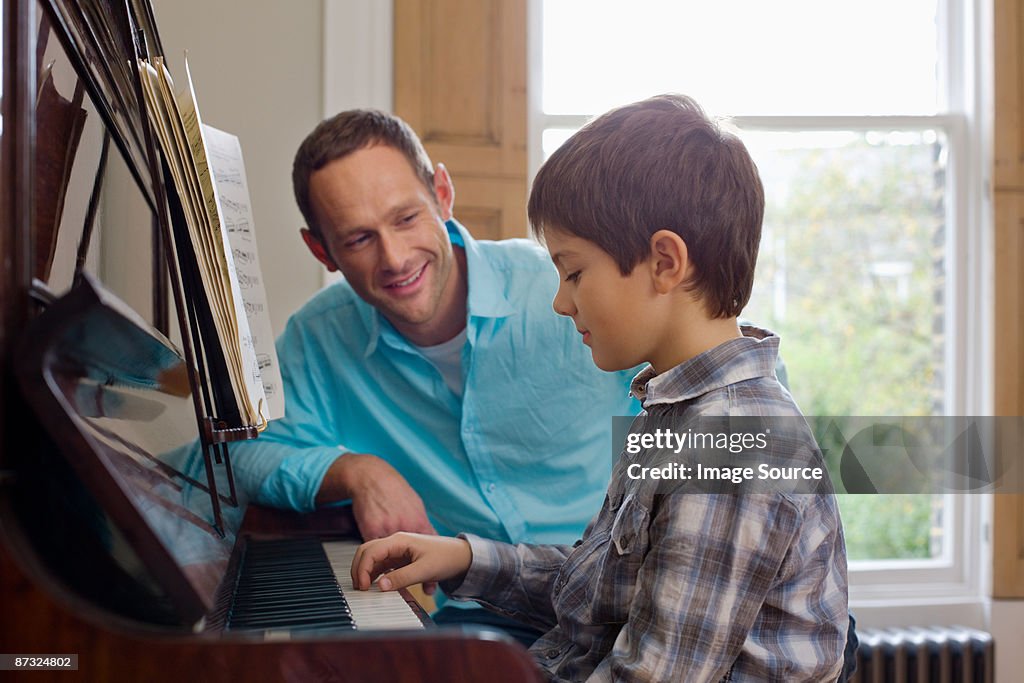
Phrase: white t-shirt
(447,358)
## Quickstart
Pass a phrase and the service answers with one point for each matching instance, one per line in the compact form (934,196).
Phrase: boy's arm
(513,580)
(712,561)
(404,559)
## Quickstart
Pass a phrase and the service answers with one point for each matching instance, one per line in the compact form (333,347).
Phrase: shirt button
(551,654)
(491,487)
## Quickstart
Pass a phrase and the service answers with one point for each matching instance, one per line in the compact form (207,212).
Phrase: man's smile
(408,283)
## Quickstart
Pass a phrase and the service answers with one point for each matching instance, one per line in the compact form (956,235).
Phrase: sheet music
(225,159)
(179,130)
(250,364)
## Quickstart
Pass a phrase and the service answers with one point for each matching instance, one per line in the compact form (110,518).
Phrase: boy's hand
(404,559)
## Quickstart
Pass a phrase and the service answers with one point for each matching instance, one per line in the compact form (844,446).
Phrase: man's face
(382,228)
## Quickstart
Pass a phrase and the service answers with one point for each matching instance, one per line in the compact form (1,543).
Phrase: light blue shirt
(523,456)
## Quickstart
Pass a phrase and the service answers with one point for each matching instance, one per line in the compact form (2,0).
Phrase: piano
(120,542)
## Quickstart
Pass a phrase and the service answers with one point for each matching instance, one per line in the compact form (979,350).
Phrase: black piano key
(265,592)
(292,616)
(327,627)
(288,584)
(284,589)
(285,623)
(309,605)
(288,579)
(296,585)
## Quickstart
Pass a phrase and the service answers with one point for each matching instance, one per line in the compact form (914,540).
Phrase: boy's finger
(374,557)
(357,576)
(365,564)
(399,578)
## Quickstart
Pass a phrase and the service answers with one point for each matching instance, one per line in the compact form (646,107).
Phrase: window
(861,118)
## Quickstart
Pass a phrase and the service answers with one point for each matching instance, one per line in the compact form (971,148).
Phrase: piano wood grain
(41,616)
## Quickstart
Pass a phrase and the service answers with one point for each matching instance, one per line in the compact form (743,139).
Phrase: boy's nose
(562,303)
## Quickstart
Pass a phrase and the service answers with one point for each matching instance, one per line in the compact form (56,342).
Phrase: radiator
(943,654)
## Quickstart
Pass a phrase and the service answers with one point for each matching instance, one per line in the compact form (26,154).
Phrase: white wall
(267,72)
(257,70)
(1006,625)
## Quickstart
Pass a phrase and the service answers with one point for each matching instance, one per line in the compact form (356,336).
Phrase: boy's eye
(573,276)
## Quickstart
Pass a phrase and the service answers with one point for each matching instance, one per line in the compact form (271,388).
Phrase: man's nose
(394,252)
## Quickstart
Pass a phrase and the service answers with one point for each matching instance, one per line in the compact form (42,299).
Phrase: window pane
(851,270)
(552,139)
(851,275)
(743,57)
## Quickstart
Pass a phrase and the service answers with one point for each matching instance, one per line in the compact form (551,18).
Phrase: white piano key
(371,609)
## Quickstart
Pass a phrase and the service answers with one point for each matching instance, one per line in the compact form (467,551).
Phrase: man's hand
(382,500)
(403,559)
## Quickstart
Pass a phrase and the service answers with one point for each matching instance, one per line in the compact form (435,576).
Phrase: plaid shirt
(686,587)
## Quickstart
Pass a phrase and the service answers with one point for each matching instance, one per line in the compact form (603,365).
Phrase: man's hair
(660,163)
(348,132)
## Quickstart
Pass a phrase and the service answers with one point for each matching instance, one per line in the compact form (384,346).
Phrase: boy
(652,216)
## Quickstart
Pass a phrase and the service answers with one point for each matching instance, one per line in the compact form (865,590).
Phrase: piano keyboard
(371,609)
(303,584)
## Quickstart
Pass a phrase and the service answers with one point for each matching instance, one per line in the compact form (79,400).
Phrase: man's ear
(445,191)
(317,248)
(670,261)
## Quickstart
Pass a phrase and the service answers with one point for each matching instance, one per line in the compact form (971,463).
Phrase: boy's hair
(660,163)
(348,132)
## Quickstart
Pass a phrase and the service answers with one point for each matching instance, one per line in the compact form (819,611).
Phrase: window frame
(949,588)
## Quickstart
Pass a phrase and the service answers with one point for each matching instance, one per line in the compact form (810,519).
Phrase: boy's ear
(317,248)
(670,261)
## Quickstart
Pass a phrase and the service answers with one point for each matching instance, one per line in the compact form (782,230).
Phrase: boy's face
(613,312)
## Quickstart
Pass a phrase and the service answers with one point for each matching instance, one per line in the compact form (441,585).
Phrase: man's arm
(301,461)
(383,502)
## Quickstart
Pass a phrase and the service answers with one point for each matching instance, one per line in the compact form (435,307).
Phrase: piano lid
(97,34)
(115,395)
(72,168)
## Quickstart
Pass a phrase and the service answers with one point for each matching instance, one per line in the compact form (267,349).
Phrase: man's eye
(409,219)
(357,241)
(573,276)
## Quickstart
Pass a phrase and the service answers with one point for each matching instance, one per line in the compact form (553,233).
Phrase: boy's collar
(750,356)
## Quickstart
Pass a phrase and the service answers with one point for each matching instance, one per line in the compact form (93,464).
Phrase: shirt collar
(488,290)
(750,356)
(485,297)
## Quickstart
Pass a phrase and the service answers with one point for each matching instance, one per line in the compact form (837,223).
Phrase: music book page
(179,131)
(225,158)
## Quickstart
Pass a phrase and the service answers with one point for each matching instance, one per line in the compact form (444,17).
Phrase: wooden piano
(121,542)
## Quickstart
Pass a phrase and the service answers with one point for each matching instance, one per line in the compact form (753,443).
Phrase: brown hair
(660,163)
(348,132)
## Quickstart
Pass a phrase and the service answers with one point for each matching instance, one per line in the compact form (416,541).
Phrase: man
(434,387)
